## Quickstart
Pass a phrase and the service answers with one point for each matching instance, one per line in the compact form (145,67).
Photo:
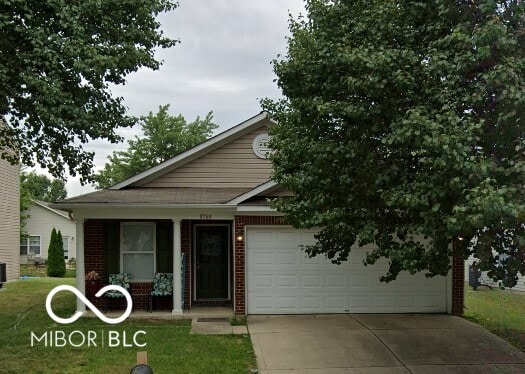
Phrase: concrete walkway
(365,344)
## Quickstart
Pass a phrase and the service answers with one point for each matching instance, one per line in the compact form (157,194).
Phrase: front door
(212,243)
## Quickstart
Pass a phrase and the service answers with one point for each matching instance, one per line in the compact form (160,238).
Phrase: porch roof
(173,195)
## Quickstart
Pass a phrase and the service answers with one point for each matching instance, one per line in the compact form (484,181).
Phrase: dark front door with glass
(212,243)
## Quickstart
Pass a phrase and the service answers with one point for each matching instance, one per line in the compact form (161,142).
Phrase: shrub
(56,265)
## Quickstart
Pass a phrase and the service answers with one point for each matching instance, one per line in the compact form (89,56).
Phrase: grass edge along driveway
(502,312)
(170,346)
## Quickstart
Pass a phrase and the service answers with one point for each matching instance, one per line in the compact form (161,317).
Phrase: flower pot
(92,288)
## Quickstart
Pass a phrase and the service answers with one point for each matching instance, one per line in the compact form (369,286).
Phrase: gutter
(71,206)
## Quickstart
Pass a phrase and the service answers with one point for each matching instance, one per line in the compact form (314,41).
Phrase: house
(9,218)
(42,219)
(486,280)
(210,204)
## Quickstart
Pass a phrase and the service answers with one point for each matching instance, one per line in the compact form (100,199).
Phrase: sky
(222,64)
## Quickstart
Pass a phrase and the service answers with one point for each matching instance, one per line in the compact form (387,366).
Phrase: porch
(199,253)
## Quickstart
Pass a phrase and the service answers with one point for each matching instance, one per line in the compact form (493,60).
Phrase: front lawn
(501,312)
(170,346)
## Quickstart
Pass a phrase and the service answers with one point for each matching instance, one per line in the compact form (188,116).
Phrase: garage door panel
(358,303)
(334,281)
(286,281)
(406,301)
(310,280)
(262,258)
(335,303)
(357,281)
(261,239)
(287,258)
(263,281)
(383,303)
(429,301)
(281,279)
(305,237)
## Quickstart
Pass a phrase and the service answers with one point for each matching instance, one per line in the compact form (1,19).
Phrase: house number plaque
(205,216)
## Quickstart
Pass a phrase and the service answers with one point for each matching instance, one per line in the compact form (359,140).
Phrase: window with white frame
(137,250)
(29,245)
(65,244)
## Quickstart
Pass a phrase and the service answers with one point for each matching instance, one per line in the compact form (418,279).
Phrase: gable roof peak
(195,152)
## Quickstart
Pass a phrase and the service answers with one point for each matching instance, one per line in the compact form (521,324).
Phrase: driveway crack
(384,344)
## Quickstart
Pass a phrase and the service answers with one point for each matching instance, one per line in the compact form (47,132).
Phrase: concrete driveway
(379,343)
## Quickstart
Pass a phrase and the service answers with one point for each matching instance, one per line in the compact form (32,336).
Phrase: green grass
(32,271)
(170,346)
(501,312)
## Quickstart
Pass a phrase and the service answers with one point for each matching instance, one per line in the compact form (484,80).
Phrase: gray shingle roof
(179,195)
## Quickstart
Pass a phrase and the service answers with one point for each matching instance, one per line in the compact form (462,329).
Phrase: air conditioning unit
(3,274)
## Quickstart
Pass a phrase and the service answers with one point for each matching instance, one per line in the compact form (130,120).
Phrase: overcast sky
(222,63)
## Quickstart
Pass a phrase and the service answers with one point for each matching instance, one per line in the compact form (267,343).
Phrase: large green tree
(57,61)
(165,136)
(41,187)
(403,126)
(35,186)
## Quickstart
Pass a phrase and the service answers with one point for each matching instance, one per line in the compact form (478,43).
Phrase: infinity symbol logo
(88,303)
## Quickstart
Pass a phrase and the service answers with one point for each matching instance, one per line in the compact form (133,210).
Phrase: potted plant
(93,283)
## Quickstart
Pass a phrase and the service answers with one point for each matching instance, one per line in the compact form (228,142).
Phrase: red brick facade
(94,252)
(94,260)
(458,286)
(185,233)
(239,255)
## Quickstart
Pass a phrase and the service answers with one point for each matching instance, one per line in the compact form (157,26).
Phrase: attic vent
(261,145)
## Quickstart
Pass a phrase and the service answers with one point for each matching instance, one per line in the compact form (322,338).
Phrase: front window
(137,250)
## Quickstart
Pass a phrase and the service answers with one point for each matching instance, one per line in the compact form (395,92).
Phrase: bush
(56,265)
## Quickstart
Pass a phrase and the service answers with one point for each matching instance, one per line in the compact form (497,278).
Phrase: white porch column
(177,283)
(81,284)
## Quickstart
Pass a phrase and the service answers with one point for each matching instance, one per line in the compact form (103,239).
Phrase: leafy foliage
(56,265)
(40,187)
(35,186)
(403,127)
(58,61)
(165,136)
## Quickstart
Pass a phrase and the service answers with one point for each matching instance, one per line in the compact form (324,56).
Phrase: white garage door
(281,279)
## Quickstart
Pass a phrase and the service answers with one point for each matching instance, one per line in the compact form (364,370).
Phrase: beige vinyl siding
(41,222)
(232,165)
(10,218)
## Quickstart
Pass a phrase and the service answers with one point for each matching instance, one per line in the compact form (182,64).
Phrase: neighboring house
(486,280)
(10,218)
(211,204)
(42,219)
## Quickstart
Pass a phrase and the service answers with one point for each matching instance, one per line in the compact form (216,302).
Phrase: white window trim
(122,252)
(28,244)
(66,250)
(39,245)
